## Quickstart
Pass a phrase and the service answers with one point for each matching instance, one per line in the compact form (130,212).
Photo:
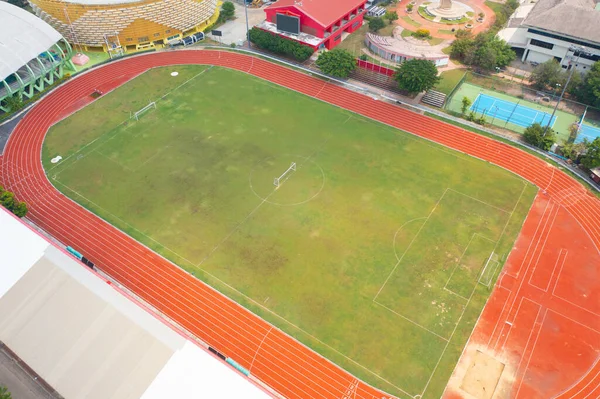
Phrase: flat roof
(23,36)
(88,339)
(325,12)
(575,18)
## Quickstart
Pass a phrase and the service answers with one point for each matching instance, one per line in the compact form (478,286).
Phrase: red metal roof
(324,12)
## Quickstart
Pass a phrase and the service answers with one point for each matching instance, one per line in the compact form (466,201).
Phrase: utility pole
(247,24)
(575,49)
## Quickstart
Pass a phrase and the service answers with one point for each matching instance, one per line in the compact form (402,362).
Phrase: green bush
(534,135)
(280,45)
(7,200)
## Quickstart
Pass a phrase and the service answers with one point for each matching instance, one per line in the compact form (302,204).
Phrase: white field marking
(454,293)
(550,181)
(411,243)
(510,330)
(250,299)
(174,73)
(127,119)
(471,336)
(542,219)
(181,270)
(268,310)
(495,347)
(397,231)
(574,304)
(585,230)
(541,251)
(458,263)
(532,349)
(152,157)
(235,228)
(478,200)
(583,375)
(496,264)
(560,254)
(263,201)
(320,90)
(107,157)
(471,296)
(258,349)
(124,222)
(522,281)
(499,316)
(411,321)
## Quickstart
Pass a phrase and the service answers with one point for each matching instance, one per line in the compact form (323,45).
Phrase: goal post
(278,180)
(137,114)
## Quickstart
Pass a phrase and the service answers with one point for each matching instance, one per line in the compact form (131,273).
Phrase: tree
(591,159)
(574,150)
(591,85)
(546,74)
(416,76)
(375,24)
(14,103)
(20,209)
(466,103)
(7,200)
(391,16)
(4,394)
(534,135)
(227,11)
(461,47)
(485,51)
(409,7)
(337,62)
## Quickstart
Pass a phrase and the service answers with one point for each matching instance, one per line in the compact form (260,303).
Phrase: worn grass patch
(369,252)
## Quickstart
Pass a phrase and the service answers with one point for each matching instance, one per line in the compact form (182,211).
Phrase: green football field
(379,251)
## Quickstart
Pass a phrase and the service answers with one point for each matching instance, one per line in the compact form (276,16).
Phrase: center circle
(300,179)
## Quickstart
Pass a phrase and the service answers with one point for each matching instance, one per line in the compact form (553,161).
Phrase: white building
(549,28)
(87,338)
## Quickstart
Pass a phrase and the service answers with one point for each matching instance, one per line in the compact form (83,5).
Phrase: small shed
(595,174)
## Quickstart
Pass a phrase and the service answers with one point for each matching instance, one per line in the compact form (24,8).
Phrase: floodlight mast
(575,49)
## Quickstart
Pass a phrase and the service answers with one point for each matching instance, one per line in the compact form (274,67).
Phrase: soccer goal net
(489,270)
(137,114)
(285,175)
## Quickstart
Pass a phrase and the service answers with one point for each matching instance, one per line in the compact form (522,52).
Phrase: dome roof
(23,36)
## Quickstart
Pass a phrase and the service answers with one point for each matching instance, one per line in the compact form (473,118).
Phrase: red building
(316,23)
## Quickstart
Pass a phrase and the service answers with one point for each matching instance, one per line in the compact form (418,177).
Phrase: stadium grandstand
(126,25)
(33,55)
(81,336)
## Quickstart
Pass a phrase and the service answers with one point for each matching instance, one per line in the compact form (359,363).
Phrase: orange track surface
(273,357)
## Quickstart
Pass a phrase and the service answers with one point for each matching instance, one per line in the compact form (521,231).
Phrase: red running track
(282,363)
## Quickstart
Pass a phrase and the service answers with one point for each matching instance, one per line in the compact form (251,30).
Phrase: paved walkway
(434,27)
(234,31)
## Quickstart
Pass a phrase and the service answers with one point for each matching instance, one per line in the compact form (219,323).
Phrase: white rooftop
(23,36)
(87,339)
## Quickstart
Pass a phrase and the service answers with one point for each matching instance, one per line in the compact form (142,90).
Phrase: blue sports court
(587,132)
(508,111)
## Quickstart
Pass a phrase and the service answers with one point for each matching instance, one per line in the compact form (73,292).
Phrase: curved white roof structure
(23,36)
(89,339)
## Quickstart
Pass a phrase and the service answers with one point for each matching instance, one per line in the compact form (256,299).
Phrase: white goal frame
(278,180)
(136,115)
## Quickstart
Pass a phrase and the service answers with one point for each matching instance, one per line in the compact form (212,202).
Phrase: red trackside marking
(278,360)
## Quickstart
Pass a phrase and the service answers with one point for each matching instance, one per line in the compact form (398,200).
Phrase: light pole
(575,49)
(247,24)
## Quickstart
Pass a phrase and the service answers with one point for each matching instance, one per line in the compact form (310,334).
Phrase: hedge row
(280,45)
